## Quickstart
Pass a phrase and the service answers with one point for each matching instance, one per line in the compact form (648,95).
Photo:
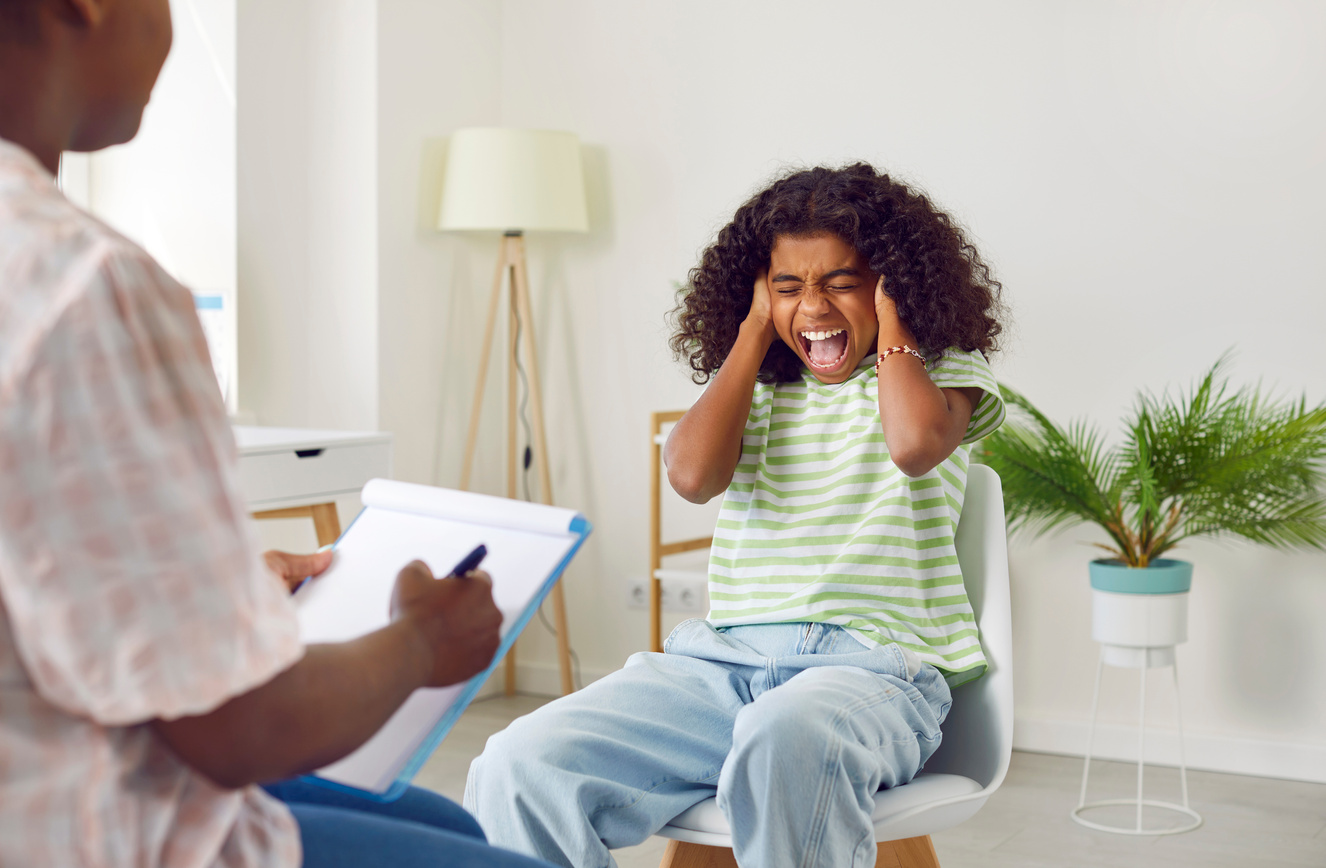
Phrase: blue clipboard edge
(581,527)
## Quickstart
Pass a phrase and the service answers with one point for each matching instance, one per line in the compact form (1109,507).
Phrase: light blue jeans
(793,726)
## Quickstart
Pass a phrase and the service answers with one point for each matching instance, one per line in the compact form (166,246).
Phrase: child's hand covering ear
(884,306)
(761,306)
(892,330)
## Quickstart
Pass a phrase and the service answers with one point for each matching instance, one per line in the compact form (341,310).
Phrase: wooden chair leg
(681,854)
(907,853)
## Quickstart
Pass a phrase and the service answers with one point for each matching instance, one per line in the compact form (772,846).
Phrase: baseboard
(1216,753)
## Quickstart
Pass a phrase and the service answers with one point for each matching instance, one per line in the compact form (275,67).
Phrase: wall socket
(681,593)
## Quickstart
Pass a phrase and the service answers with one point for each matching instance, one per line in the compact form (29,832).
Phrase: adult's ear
(88,13)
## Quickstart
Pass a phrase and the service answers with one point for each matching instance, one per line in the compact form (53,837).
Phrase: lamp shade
(499,178)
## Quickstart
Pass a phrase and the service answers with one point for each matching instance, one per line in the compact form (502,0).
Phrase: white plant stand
(1138,620)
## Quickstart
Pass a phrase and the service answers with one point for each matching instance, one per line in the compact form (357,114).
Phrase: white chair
(978,735)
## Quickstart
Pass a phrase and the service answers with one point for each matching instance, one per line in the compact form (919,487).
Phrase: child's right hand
(455,617)
(761,305)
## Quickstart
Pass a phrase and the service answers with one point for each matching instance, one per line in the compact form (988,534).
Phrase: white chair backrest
(978,734)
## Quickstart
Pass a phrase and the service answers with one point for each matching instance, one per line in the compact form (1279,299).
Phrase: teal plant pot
(1164,576)
(1140,608)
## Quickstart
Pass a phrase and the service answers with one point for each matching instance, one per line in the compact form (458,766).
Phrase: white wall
(344,109)
(307,176)
(1145,176)
(439,65)
(172,189)
(276,358)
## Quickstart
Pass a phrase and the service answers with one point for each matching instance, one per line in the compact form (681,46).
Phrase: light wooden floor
(1250,822)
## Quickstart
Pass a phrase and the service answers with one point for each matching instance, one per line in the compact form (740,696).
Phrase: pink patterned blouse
(131,587)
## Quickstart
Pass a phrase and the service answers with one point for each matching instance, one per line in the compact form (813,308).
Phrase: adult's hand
(293,569)
(455,619)
(334,698)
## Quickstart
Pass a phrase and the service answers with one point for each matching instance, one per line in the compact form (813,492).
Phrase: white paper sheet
(401,522)
(467,506)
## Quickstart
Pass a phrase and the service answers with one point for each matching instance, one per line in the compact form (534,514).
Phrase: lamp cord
(528,459)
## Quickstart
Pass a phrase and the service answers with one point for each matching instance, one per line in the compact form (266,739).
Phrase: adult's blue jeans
(421,829)
(793,726)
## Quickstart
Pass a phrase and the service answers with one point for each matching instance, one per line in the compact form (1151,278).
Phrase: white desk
(299,472)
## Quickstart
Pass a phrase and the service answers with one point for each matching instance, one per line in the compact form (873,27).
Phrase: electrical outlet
(637,594)
(683,592)
(684,595)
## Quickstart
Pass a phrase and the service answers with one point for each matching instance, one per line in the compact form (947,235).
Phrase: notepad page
(353,598)
(466,506)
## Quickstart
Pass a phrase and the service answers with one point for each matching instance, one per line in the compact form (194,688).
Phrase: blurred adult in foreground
(151,672)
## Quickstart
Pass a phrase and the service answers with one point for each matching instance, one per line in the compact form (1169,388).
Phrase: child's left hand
(884,306)
(892,331)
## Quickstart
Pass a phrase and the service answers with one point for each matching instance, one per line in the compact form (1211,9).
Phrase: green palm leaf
(1213,461)
(1062,476)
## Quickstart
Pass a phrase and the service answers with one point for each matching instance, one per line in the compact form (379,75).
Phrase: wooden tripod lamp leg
(476,408)
(509,251)
(511,258)
(521,283)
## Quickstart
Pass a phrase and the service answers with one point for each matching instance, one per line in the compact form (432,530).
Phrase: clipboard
(529,546)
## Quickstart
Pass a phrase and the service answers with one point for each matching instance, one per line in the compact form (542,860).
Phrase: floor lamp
(514,180)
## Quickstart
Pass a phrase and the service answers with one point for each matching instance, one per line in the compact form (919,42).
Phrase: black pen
(470,562)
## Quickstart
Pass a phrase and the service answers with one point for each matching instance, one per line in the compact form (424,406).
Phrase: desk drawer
(271,478)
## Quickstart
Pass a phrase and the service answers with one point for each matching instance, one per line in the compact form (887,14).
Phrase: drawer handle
(308,453)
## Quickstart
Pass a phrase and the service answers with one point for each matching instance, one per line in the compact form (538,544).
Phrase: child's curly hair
(943,290)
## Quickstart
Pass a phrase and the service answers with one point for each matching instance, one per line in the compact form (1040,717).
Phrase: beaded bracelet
(884,354)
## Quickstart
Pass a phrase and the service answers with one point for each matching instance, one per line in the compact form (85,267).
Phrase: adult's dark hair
(943,290)
(18,21)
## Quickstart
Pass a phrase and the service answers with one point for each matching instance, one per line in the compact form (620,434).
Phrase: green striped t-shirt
(819,525)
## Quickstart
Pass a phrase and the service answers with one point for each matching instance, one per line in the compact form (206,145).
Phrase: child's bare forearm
(702,451)
(922,423)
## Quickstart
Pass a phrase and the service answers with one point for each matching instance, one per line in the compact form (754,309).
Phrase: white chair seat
(704,823)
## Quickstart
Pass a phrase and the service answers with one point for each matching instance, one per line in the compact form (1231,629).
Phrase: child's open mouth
(824,350)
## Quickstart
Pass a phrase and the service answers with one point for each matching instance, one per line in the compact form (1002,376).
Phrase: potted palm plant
(1212,462)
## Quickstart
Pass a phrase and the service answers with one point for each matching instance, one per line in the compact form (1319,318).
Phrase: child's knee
(776,722)
(510,757)
(500,772)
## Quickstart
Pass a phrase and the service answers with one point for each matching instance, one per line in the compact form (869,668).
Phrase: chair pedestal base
(907,853)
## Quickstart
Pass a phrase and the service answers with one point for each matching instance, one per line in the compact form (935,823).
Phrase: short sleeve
(958,369)
(132,583)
